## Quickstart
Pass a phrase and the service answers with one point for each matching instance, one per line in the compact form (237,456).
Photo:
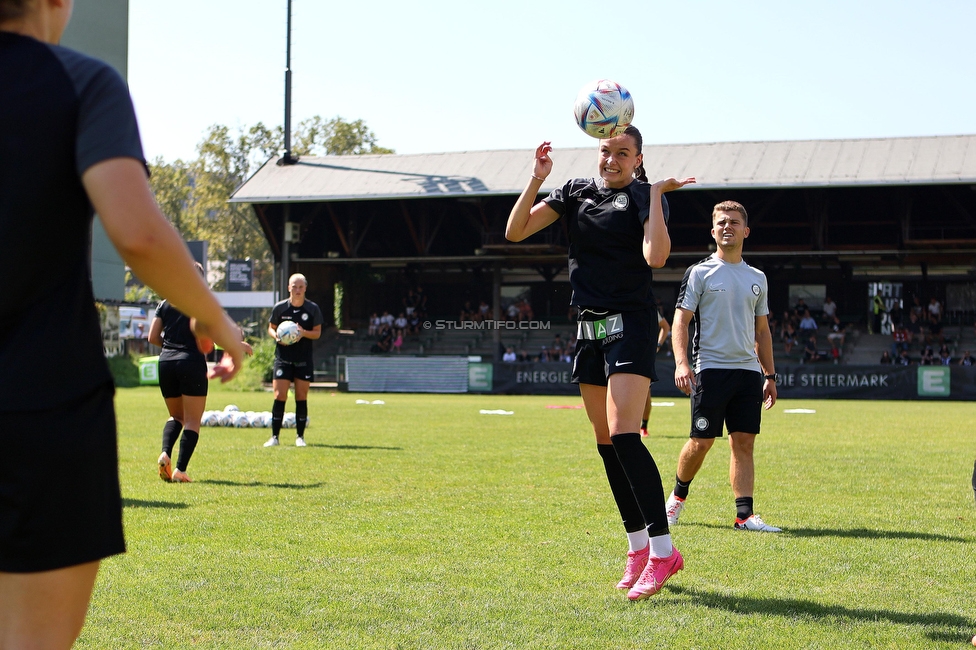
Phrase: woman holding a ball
(183,383)
(293,359)
(618,232)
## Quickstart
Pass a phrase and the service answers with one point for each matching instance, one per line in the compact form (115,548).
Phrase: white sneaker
(674,507)
(755,522)
(300,442)
(273,442)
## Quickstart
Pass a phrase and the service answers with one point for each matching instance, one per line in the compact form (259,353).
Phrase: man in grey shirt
(726,300)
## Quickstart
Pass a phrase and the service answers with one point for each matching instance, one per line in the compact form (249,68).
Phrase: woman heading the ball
(183,383)
(61,509)
(618,232)
(293,363)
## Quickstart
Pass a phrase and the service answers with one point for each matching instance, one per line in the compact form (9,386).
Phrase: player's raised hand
(543,163)
(671,184)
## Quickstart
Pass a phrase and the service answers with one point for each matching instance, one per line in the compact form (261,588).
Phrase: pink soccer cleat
(655,574)
(636,561)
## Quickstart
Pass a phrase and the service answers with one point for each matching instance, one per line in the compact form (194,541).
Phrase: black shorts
(629,345)
(179,377)
(729,397)
(60,503)
(292,370)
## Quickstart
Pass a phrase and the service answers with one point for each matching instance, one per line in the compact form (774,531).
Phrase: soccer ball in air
(603,109)
(288,332)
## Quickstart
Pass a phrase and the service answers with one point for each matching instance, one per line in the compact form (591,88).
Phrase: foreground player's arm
(764,349)
(684,378)
(657,242)
(527,219)
(273,331)
(118,190)
(156,332)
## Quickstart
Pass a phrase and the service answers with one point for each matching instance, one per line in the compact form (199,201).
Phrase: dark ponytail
(632,131)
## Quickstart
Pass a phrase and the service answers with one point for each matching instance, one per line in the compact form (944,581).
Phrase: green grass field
(421,523)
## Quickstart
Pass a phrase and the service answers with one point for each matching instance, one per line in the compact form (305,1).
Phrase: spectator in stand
(410,303)
(935,309)
(386,319)
(398,341)
(808,325)
(789,336)
(374,325)
(945,357)
(967,359)
(810,352)
(509,356)
(525,310)
(513,311)
(556,349)
(774,326)
(400,324)
(413,323)
(928,357)
(467,312)
(900,339)
(917,308)
(800,308)
(914,327)
(484,311)
(836,336)
(523,356)
(903,359)
(886,358)
(385,341)
(935,331)
(877,312)
(829,310)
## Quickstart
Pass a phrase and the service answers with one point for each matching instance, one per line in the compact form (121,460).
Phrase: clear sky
(452,75)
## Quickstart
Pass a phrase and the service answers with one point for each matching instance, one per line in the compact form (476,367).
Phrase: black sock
(643,424)
(645,480)
(301,413)
(171,431)
(743,508)
(277,414)
(623,495)
(681,487)
(187,445)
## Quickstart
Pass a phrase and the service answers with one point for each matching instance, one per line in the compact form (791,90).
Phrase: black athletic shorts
(60,503)
(627,343)
(294,370)
(179,377)
(729,397)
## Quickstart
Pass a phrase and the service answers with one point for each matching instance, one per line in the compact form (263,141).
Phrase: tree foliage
(193,195)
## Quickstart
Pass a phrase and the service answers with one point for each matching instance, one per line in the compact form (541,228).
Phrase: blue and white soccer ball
(211,419)
(231,407)
(226,419)
(288,421)
(288,332)
(603,109)
(240,420)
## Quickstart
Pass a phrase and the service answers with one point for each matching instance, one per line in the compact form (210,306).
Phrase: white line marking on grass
(799,411)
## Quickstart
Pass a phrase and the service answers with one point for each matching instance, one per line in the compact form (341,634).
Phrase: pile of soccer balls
(232,416)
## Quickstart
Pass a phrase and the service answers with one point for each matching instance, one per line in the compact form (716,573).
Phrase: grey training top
(726,299)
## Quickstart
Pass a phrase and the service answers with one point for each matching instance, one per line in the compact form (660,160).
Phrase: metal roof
(801,163)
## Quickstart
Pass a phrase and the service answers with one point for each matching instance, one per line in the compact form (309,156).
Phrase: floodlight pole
(287,158)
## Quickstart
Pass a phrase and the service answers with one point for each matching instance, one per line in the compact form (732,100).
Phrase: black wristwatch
(773,376)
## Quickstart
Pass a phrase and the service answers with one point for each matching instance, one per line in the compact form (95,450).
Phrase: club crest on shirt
(305,316)
(755,289)
(620,201)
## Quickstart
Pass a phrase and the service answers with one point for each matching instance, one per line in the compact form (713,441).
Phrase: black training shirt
(607,268)
(60,113)
(178,340)
(308,316)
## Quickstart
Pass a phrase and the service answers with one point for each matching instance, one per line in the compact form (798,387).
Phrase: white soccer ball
(254,420)
(288,421)
(226,419)
(266,418)
(230,407)
(240,420)
(288,332)
(603,109)
(211,419)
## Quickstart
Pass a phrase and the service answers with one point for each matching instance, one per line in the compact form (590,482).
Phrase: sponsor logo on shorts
(620,202)
(623,363)
(612,338)
(279,372)
(755,289)
(701,424)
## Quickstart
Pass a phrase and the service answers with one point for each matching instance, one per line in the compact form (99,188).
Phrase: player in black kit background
(293,363)
(617,227)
